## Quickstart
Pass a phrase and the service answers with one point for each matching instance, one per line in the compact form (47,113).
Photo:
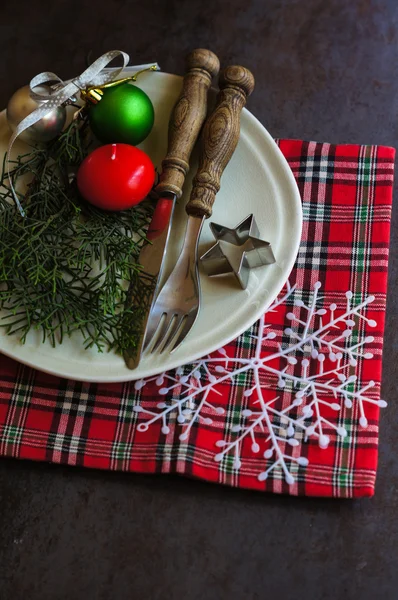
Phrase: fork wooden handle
(187,119)
(219,138)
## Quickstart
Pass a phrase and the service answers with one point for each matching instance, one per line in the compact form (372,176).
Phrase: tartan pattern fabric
(347,195)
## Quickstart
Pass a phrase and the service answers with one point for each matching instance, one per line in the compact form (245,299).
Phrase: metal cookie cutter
(255,252)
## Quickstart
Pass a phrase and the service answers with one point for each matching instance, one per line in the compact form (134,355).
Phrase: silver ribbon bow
(95,75)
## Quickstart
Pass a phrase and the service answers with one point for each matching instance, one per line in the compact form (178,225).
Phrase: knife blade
(185,123)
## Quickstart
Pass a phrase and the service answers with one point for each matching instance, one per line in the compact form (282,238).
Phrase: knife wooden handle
(219,138)
(187,119)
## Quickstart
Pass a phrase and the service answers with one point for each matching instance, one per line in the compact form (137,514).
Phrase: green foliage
(64,267)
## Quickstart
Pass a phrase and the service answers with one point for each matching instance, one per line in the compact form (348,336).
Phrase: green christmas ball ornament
(123,114)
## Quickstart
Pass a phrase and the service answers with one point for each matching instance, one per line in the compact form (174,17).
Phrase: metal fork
(177,306)
(179,301)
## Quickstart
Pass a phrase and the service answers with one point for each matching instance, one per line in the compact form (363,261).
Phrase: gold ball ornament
(21,105)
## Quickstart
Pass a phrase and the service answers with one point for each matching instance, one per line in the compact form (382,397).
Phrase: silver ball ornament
(21,105)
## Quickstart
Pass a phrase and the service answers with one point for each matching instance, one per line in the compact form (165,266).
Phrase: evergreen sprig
(65,265)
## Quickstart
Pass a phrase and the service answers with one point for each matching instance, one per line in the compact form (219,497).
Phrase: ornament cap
(93,95)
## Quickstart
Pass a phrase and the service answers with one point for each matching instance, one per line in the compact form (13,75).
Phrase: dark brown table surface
(326,70)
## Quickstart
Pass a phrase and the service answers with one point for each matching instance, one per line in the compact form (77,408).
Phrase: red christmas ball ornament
(116,176)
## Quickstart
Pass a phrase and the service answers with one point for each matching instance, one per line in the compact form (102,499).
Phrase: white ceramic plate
(257,180)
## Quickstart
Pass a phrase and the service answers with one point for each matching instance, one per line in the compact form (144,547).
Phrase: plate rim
(297,230)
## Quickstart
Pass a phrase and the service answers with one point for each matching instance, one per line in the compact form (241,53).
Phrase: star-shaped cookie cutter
(256,252)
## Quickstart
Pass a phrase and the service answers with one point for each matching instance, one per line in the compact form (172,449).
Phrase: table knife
(185,123)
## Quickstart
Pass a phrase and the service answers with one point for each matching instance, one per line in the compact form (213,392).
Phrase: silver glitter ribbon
(96,74)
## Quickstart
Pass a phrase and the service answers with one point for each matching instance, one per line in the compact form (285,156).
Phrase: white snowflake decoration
(320,338)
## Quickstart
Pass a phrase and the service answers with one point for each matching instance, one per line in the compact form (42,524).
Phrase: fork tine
(152,329)
(174,328)
(189,323)
(163,331)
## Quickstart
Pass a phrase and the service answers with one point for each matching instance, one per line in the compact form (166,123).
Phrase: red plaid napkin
(292,405)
